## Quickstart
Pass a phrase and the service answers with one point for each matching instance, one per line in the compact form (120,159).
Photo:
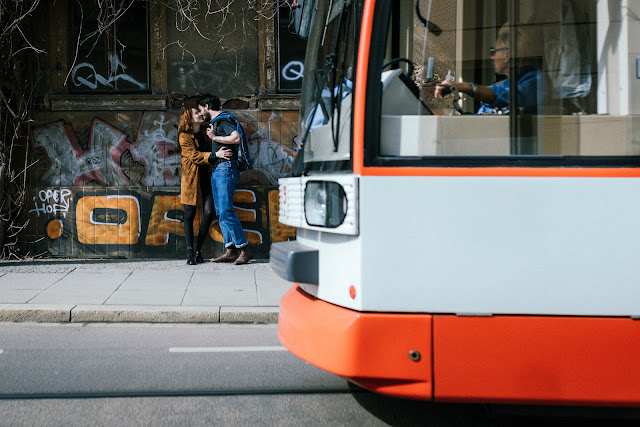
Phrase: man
(496,96)
(224,136)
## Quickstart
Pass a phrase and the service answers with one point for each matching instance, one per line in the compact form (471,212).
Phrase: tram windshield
(446,69)
(327,93)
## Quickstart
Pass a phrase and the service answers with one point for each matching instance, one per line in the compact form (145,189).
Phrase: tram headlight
(325,204)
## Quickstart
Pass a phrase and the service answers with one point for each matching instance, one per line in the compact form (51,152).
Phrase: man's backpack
(244,159)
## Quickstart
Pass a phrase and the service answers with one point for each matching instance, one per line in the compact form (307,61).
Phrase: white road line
(1,351)
(224,349)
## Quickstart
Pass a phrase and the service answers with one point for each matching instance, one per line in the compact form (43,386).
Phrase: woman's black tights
(207,218)
(208,213)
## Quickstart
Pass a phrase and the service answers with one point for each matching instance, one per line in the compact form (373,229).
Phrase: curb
(43,313)
(61,313)
(249,314)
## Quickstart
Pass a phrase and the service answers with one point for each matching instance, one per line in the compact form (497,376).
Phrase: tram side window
(565,60)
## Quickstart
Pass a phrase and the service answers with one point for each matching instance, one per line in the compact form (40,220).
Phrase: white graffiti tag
(52,202)
(294,70)
(156,144)
(92,78)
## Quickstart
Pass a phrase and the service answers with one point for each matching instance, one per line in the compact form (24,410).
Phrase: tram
(458,246)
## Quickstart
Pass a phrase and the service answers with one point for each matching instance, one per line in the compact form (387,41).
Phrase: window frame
(108,39)
(60,99)
(373,158)
(278,26)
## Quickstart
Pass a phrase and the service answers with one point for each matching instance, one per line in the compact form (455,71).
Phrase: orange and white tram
(454,249)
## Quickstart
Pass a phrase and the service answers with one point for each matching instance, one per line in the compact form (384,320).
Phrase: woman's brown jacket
(192,159)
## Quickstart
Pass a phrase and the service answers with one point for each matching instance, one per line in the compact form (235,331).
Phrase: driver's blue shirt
(529,85)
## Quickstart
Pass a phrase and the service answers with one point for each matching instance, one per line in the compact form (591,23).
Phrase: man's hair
(212,101)
(526,46)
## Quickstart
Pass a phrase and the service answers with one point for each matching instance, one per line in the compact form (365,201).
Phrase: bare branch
(8,105)
(9,28)
(30,46)
(77,49)
(184,50)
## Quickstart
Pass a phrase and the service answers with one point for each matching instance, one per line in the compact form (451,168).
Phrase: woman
(195,186)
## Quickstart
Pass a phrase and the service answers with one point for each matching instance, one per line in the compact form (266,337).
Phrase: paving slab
(147,297)
(147,290)
(86,295)
(83,287)
(234,295)
(18,296)
(29,280)
(222,277)
(144,280)
(229,288)
(272,287)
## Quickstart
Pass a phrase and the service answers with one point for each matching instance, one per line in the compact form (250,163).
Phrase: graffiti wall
(98,191)
(81,222)
(107,158)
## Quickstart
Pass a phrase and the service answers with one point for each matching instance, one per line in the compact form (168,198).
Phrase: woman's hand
(224,153)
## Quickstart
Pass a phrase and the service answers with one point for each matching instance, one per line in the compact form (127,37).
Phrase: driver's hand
(444,88)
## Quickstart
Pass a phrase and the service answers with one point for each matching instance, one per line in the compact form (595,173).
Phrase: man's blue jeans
(223,183)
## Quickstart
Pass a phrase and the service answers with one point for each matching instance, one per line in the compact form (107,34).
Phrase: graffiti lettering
(272,159)
(93,160)
(156,147)
(108,231)
(248,215)
(89,71)
(294,70)
(209,76)
(51,202)
(278,231)
(149,225)
(160,224)
(152,160)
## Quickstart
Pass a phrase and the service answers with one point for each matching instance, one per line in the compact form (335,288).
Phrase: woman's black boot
(199,259)
(191,256)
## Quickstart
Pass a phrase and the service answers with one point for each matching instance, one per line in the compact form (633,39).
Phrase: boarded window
(291,51)
(112,57)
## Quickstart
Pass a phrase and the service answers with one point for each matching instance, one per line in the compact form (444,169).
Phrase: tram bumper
(385,353)
(294,262)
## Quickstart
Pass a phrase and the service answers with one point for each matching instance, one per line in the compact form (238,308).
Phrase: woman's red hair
(186,122)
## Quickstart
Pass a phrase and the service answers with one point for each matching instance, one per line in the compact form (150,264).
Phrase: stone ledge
(249,314)
(144,314)
(43,313)
(68,313)
(107,102)
(278,102)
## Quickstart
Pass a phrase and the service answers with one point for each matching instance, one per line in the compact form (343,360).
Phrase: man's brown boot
(244,257)
(229,255)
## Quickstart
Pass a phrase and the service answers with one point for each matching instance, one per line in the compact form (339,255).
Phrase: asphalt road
(125,374)
(112,360)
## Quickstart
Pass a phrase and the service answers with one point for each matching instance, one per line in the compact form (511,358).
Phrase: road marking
(1,351)
(224,349)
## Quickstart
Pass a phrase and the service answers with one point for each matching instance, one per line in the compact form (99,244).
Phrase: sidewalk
(153,291)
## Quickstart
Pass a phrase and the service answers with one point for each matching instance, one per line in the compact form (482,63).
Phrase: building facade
(104,175)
